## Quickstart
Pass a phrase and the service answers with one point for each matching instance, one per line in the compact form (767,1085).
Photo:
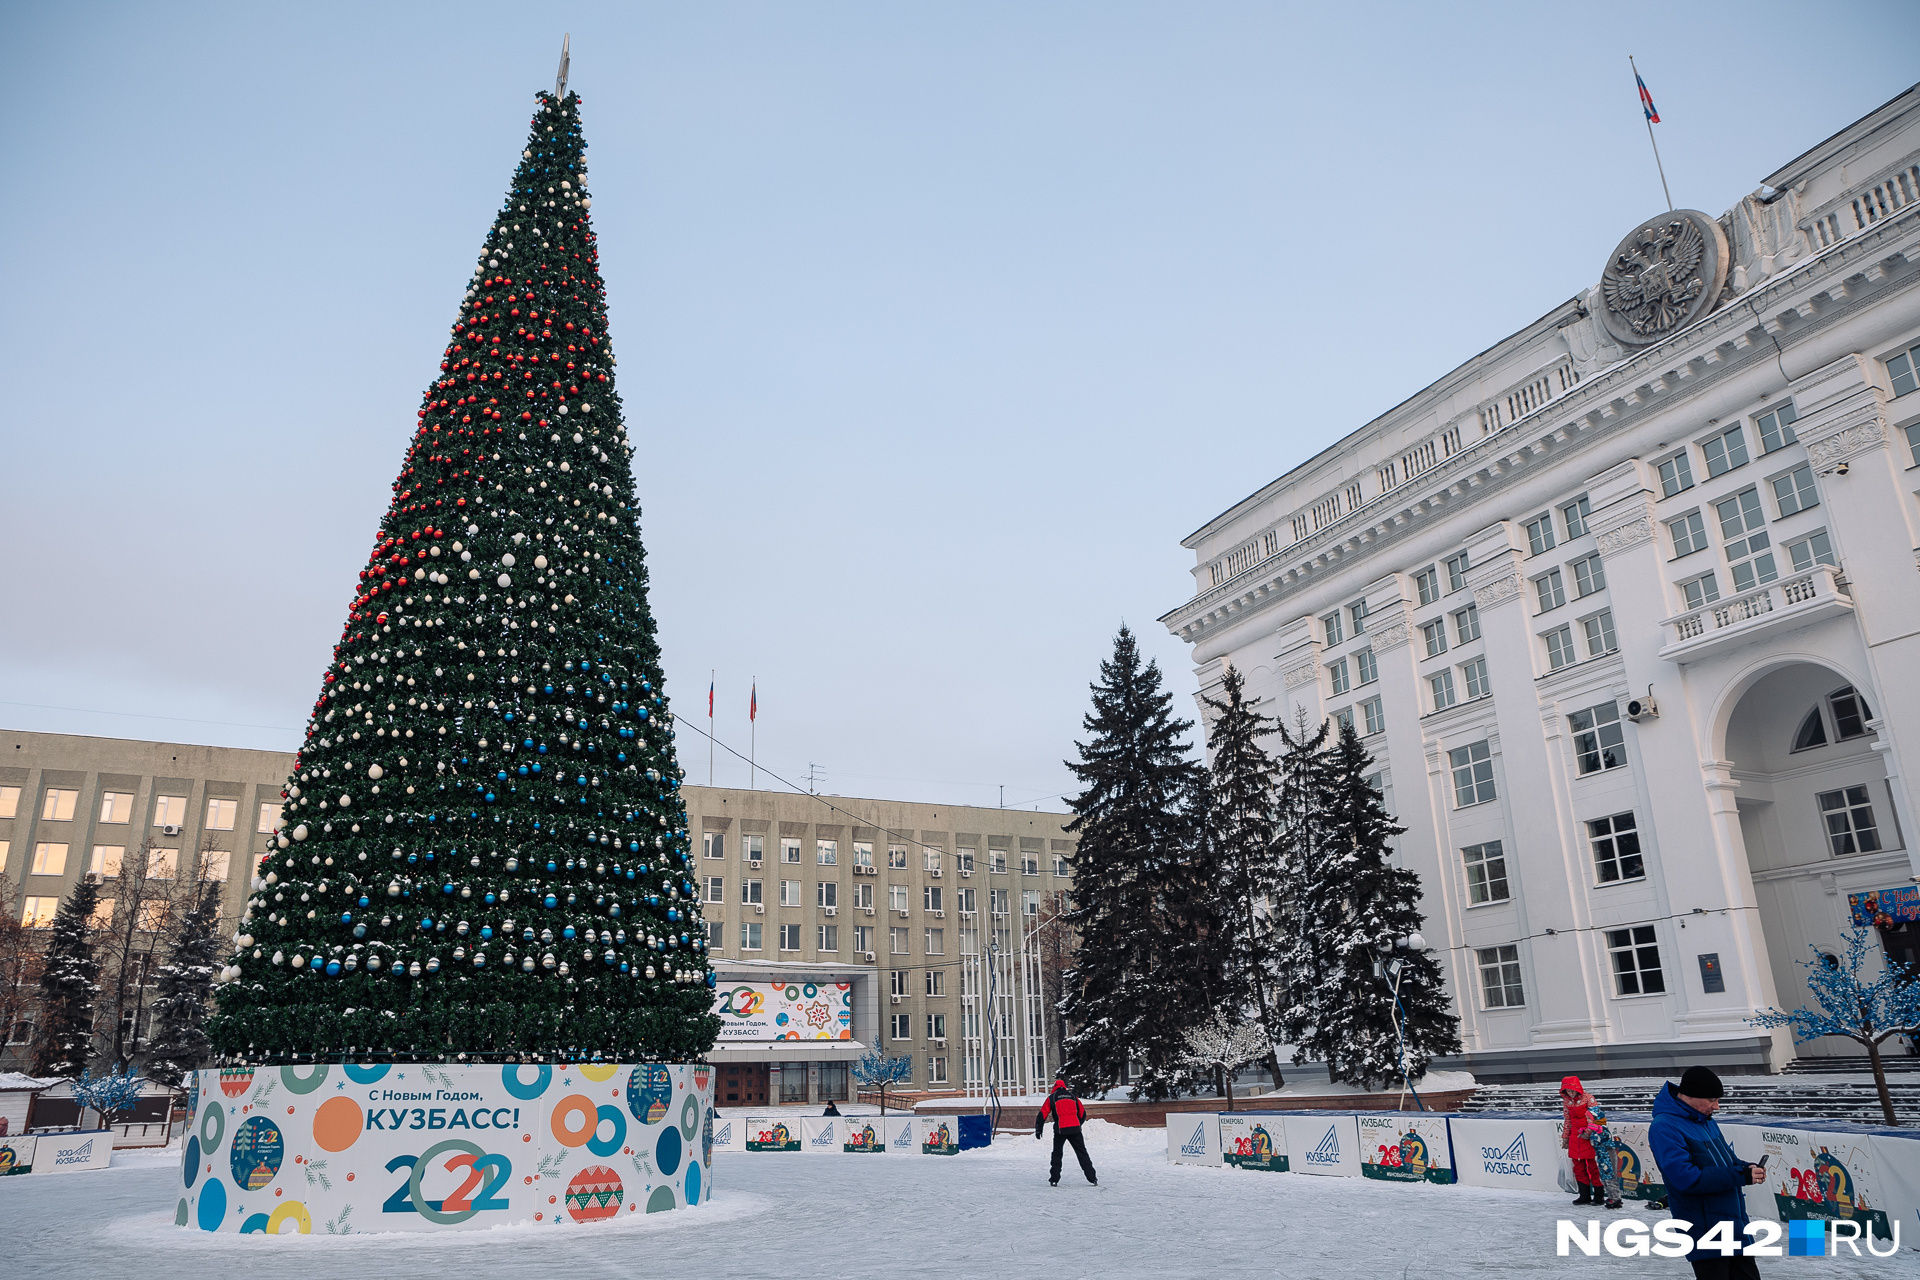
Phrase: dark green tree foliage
(1240,830)
(484,852)
(1308,913)
(1127,995)
(182,987)
(69,981)
(1379,906)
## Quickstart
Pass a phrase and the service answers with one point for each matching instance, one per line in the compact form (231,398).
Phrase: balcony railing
(1792,602)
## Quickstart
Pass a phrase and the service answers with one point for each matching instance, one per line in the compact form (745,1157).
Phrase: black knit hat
(1698,1082)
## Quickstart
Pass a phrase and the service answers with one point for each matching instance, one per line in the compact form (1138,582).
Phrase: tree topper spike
(560,79)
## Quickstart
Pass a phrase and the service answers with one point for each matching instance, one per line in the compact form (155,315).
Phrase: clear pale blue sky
(939,326)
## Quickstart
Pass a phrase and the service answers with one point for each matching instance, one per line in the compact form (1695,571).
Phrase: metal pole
(1656,146)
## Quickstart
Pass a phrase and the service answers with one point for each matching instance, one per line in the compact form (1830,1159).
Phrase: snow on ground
(808,1217)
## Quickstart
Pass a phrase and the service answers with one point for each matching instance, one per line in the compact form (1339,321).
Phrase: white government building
(1627,608)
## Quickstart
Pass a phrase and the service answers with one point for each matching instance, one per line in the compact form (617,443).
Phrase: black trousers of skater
(1060,1138)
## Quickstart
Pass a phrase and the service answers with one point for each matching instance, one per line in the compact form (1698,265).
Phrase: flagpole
(711,675)
(1656,146)
(753,734)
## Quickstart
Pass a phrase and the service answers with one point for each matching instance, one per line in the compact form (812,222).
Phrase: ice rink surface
(801,1217)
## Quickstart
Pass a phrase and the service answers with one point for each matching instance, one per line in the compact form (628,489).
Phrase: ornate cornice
(1304,674)
(1392,634)
(1849,442)
(1631,534)
(1498,591)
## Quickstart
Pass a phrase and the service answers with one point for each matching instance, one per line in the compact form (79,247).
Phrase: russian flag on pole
(1646,100)
(753,702)
(709,699)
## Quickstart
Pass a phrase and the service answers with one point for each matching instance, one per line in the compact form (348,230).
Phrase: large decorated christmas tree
(483,854)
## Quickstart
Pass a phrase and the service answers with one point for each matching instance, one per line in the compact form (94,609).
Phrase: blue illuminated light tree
(1868,1011)
(112,1095)
(875,1070)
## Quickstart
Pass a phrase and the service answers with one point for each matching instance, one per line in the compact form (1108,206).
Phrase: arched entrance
(1818,820)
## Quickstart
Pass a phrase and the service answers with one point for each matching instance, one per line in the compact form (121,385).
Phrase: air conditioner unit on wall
(938,915)
(868,910)
(903,913)
(755,864)
(868,956)
(831,910)
(1642,709)
(966,871)
(169,830)
(935,871)
(759,908)
(896,999)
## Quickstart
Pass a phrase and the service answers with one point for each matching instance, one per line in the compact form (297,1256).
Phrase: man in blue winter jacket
(1706,1182)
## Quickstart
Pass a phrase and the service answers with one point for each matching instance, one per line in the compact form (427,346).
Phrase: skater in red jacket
(1067,1115)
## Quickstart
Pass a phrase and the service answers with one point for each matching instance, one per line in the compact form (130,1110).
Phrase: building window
(1850,714)
(1589,575)
(38,913)
(1904,371)
(107,859)
(1357,613)
(752,848)
(49,859)
(1551,591)
(1427,583)
(1457,572)
(214,864)
(789,937)
(897,858)
(1795,490)
(936,982)
(1367,666)
(1676,475)
(897,941)
(826,852)
(1560,652)
(1849,817)
(1060,864)
(57,805)
(997,861)
(932,897)
(1343,716)
(1337,675)
(116,806)
(1435,634)
(170,811)
(716,889)
(715,932)
(1540,533)
(713,844)
(1813,549)
(1374,716)
(1472,774)
(750,892)
(1743,528)
(1576,514)
(898,982)
(1030,904)
(936,1026)
(1597,742)
(10,802)
(997,901)
(1500,977)
(1636,961)
(1689,534)
(936,1070)
(1443,694)
(963,861)
(1029,862)
(790,851)
(896,897)
(1486,872)
(1913,443)
(829,937)
(1725,451)
(1466,624)
(1616,848)
(749,937)
(828,892)
(1330,626)
(1599,630)
(902,1026)
(1474,674)
(163,864)
(1699,592)
(863,854)
(863,938)
(936,942)
(1776,428)
(930,859)
(268,824)
(790,893)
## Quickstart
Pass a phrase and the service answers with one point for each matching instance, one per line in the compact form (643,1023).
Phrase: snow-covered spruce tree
(1240,829)
(1308,913)
(1379,904)
(485,851)
(182,987)
(1126,996)
(69,985)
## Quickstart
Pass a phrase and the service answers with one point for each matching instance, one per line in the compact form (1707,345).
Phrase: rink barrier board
(1836,1171)
(333,1149)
